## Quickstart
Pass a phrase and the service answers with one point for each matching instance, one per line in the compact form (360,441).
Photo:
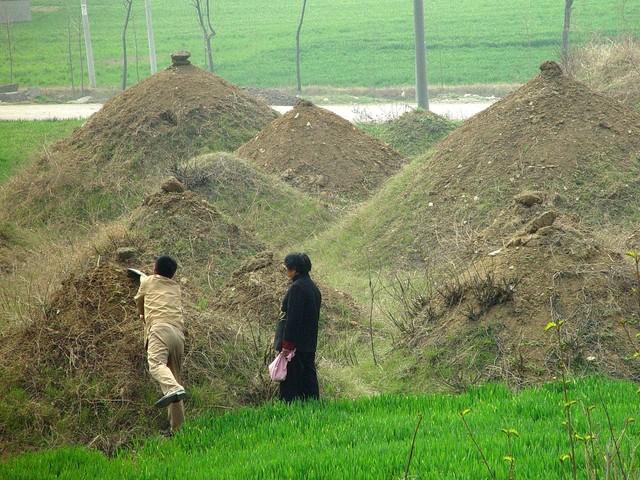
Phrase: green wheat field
(344,42)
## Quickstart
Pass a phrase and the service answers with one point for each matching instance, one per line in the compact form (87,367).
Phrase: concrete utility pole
(87,42)
(152,42)
(422,96)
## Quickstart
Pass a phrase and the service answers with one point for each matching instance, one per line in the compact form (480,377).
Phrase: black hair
(166,266)
(300,262)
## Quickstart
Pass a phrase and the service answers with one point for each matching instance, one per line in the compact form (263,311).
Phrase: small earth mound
(412,133)
(489,322)
(184,225)
(76,371)
(104,167)
(260,202)
(321,153)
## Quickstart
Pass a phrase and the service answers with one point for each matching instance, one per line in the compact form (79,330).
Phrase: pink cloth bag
(278,368)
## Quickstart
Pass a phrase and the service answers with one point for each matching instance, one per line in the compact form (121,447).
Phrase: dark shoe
(171,397)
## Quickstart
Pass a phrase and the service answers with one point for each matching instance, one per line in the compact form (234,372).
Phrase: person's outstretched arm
(139,298)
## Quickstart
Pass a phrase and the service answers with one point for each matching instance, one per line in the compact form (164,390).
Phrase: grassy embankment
(469,42)
(369,438)
(19,141)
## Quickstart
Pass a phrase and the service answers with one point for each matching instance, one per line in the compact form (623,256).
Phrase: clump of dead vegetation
(486,322)
(610,66)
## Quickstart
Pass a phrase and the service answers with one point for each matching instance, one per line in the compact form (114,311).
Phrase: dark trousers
(302,380)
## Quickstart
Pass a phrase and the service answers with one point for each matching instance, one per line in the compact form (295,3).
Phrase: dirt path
(366,112)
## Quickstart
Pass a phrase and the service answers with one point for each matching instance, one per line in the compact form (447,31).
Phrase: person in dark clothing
(301,309)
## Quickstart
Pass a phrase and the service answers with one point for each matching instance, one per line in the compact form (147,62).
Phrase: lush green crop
(366,438)
(20,140)
(344,42)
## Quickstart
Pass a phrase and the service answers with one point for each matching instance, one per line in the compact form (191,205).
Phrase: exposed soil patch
(320,153)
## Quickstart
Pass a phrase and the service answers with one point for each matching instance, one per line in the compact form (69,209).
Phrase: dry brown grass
(610,66)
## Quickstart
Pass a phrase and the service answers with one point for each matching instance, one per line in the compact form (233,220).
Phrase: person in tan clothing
(160,306)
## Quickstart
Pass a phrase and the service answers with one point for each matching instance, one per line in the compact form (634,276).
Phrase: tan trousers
(165,348)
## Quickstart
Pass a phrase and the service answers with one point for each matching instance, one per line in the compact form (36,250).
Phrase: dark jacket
(301,306)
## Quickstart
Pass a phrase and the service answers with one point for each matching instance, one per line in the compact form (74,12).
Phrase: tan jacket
(162,302)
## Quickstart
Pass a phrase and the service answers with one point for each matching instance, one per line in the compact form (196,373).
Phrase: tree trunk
(208,48)
(10,45)
(298,77)
(128,4)
(70,54)
(568,6)
(204,19)
(211,34)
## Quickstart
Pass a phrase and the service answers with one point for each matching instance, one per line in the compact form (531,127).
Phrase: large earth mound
(319,152)
(554,140)
(74,371)
(489,322)
(101,170)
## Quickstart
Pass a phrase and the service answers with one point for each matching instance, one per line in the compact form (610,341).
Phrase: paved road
(367,112)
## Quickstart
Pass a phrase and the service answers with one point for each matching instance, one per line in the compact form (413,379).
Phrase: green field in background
(345,42)
(364,439)
(19,141)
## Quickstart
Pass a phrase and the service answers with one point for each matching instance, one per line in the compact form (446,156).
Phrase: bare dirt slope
(321,153)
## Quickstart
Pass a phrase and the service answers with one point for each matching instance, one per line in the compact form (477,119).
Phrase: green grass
(344,42)
(412,133)
(261,203)
(19,141)
(365,438)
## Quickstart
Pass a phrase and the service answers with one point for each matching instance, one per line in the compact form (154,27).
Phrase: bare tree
(203,11)
(568,7)
(298,79)
(10,47)
(70,55)
(127,5)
